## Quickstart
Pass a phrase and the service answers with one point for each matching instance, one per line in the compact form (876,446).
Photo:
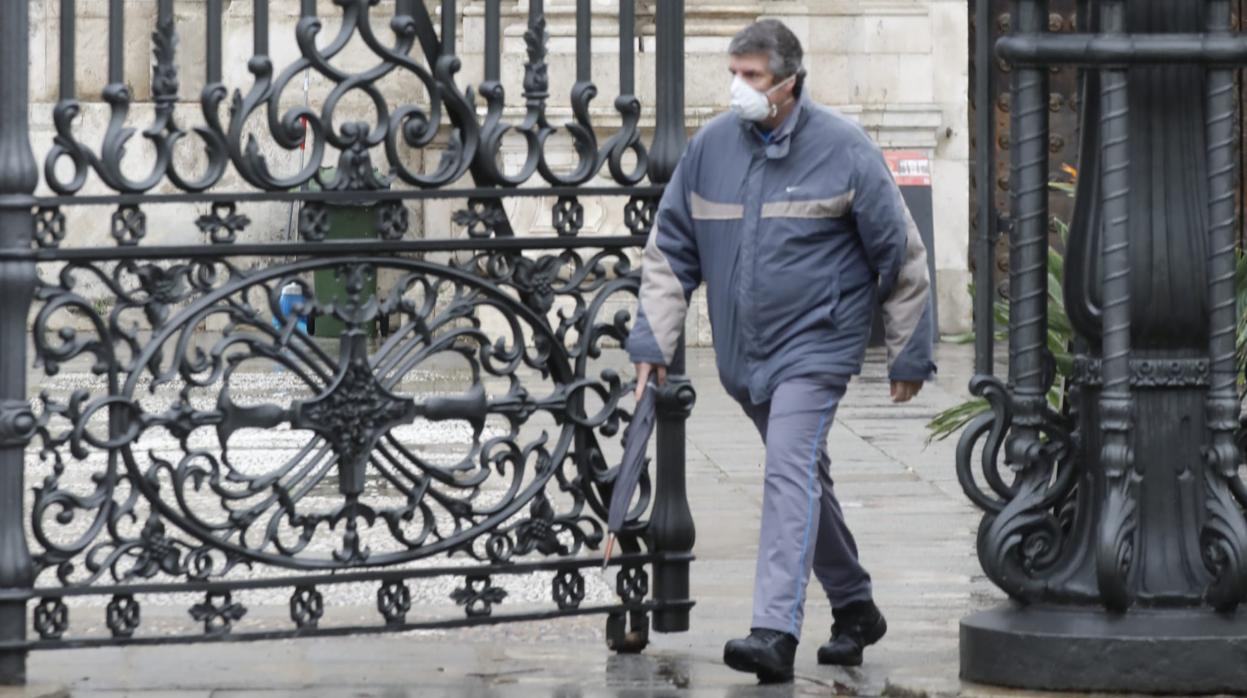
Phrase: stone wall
(897,66)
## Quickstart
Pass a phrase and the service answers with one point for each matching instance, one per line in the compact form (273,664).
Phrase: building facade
(897,66)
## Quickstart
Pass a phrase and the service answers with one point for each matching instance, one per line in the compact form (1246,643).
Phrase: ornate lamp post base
(1065,648)
(1115,517)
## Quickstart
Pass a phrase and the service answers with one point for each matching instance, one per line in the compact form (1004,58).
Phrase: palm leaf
(1060,336)
(1061,331)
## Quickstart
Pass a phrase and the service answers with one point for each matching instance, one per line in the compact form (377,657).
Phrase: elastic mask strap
(774,108)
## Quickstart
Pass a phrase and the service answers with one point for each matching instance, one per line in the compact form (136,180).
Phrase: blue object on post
(291,299)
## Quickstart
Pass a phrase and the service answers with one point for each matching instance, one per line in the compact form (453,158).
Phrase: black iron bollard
(671,522)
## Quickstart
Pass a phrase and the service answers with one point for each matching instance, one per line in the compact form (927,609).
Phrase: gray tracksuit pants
(802,525)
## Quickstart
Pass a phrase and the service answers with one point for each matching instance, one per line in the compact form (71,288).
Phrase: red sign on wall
(910,168)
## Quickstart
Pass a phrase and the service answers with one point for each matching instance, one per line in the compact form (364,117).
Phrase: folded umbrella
(636,437)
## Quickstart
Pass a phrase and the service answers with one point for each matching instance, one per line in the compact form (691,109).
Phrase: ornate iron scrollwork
(392,220)
(478,596)
(1020,536)
(51,618)
(218,612)
(536,280)
(1119,514)
(568,589)
(129,224)
(483,218)
(394,602)
(123,615)
(313,221)
(164,72)
(538,533)
(49,227)
(632,584)
(639,214)
(144,476)
(569,216)
(307,607)
(223,223)
(269,520)
(1146,373)
(156,553)
(353,413)
(1223,539)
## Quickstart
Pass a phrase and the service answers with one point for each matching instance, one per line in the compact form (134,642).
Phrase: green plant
(1240,292)
(103,306)
(1061,334)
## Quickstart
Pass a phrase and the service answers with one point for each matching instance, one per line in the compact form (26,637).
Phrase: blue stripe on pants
(794,426)
(798,594)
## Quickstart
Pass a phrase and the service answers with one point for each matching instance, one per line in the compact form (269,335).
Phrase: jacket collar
(781,138)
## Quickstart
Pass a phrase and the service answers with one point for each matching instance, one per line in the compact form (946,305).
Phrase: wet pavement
(901,497)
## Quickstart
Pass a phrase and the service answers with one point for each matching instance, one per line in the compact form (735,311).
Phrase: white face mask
(752,105)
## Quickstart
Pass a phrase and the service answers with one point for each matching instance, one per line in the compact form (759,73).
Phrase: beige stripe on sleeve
(833,207)
(904,309)
(704,210)
(662,298)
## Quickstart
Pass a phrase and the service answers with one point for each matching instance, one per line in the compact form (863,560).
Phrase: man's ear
(798,83)
(788,91)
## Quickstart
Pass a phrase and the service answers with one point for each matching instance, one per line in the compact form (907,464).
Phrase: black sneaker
(857,626)
(767,653)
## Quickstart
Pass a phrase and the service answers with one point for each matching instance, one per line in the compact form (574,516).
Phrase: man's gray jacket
(796,236)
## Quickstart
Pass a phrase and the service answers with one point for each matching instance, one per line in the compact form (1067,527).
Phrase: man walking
(788,213)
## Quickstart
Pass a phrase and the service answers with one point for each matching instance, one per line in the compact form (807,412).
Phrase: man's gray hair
(772,37)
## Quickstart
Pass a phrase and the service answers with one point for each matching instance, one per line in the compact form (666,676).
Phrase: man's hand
(904,391)
(643,372)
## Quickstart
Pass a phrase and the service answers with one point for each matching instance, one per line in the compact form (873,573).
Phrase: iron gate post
(1115,522)
(669,135)
(672,522)
(984,177)
(18,177)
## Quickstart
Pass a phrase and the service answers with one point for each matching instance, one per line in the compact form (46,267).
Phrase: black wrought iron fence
(190,436)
